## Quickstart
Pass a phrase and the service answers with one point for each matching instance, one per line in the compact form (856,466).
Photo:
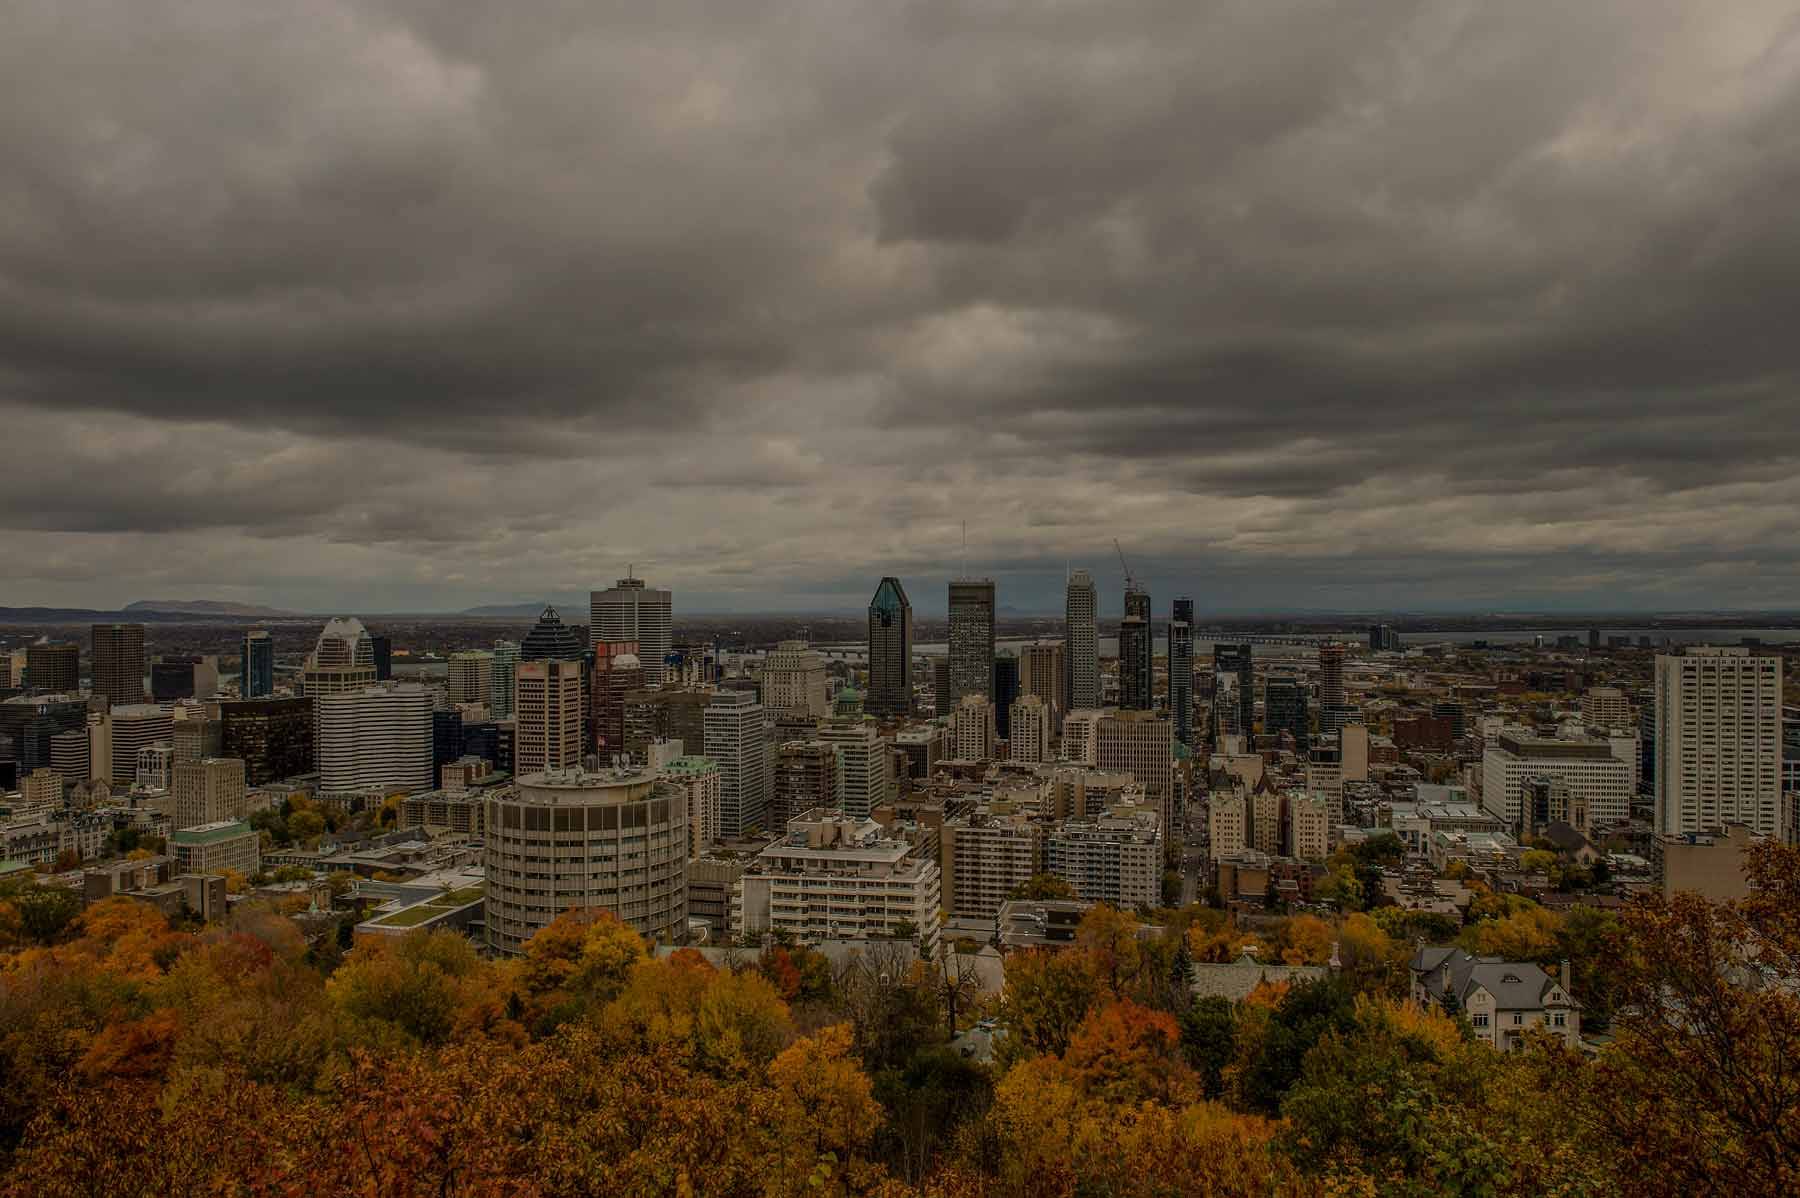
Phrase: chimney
(1565,977)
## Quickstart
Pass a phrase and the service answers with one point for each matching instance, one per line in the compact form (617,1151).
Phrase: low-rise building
(216,847)
(1502,1000)
(837,877)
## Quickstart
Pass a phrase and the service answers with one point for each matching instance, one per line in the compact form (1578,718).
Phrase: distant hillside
(510,611)
(208,607)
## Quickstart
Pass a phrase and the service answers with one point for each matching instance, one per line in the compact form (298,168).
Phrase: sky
(395,305)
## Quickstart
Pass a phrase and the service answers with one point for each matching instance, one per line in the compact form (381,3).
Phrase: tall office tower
(794,681)
(273,737)
(890,651)
(972,729)
(1142,743)
(257,674)
(195,739)
(447,744)
(1041,674)
(381,656)
(469,677)
(1030,725)
(1285,710)
(377,736)
(53,667)
(942,704)
(182,676)
(1181,669)
(1647,747)
(971,638)
(27,724)
(547,714)
(207,791)
(867,763)
(734,738)
(1006,689)
(808,775)
(135,726)
(1081,643)
(617,672)
(119,663)
(500,698)
(552,640)
(1331,676)
(1718,741)
(633,612)
(1240,662)
(618,842)
(1136,653)
(343,642)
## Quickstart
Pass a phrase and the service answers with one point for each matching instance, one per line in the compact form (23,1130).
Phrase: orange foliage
(1125,1053)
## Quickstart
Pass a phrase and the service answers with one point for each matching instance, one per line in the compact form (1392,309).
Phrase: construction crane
(1130,580)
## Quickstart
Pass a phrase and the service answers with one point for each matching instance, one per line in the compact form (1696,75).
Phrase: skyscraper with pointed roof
(890,651)
(550,640)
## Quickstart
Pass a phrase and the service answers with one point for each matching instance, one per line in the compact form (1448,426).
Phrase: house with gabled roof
(1501,999)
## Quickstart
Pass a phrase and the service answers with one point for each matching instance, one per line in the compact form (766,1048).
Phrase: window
(1560,1020)
(1479,1020)
(1517,1019)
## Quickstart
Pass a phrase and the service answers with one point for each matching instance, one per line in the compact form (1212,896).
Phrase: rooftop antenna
(965,549)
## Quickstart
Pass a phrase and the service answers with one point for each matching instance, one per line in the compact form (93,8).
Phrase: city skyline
(1315,308)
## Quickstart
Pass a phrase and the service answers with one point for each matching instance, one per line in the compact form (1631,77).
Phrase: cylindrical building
(616,840)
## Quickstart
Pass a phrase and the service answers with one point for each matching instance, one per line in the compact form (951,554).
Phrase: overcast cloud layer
(415,305)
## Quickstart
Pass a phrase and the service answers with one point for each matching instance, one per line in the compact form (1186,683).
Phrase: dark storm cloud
(1296,298)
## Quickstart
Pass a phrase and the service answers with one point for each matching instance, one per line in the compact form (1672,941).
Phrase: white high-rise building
(1081,639)
(972,728)
(135,727)
(1718,741)
(794,682)
(630,611)
(1592,773)
(1030,739)
(205,792)
(469,677)
(735,738)
(1309,827)
(864,761)
(378,736)
(1607,707)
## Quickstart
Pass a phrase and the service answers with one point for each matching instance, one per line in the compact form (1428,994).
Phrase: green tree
(1209,1040)
(1042,887)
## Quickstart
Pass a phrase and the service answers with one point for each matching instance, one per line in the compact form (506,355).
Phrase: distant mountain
(208,607)
(510,611)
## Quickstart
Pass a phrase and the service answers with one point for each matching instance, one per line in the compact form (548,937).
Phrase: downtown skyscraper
(119,662)
(1081,641)
(631,611)
(257,679)
(890,651)
(1136,652)
(1181,669)
(971,638)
